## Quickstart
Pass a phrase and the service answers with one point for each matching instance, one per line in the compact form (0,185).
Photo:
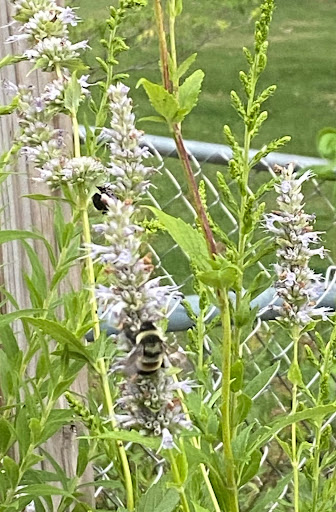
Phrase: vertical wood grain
(22,213)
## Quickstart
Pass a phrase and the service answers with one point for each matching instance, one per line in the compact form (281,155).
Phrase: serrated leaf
(256,386)
(265,433)
(83,456)
(157,499)
(60,334)
(189,92)
(42,490)
(163,102)
(189,239)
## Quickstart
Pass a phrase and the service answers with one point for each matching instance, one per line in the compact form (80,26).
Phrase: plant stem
(101,366)
(177,478)
(226,395)
(295,461)
(318,427)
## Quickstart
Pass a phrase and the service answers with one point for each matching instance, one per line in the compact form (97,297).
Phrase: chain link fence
(267,345)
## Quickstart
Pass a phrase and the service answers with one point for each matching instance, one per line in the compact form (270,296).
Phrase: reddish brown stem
(201,214)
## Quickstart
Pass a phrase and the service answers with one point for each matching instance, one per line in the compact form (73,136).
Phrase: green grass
(302,62)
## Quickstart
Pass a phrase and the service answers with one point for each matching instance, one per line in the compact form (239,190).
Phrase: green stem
(318,430)
(101,366)
(295,461)
(232,490)
(101,115)
(178,481)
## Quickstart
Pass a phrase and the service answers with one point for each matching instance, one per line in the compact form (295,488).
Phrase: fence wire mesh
(266,345)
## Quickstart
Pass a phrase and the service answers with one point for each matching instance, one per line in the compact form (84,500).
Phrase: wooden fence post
(24,214)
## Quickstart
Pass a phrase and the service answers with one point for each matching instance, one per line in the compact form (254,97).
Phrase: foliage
(214,463)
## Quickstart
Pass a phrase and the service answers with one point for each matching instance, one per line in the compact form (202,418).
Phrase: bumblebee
(98,203)
(148,352)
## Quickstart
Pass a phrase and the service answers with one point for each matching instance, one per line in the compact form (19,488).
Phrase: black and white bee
(98,201)
(148,352)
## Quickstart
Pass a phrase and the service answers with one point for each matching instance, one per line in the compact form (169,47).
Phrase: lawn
(302,62)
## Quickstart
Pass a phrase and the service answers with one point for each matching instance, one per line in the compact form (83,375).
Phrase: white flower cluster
(126,163)
(149,405)
(297,284)
(44,24)
(133,297)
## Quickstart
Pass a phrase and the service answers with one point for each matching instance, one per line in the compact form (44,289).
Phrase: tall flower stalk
(297,284)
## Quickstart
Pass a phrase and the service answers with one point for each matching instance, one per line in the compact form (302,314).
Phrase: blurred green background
(302,62)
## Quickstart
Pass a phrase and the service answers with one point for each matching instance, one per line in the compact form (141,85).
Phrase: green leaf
(272,495)
(38,277)
(259,284)
(11,471)
(189,92)
(11,59)
(189,239)
(225,276)
(56,420)
(15,315)
(128,437)
(244,404)
(83,456)
(44,197)
(326,143)
(72,94)
(60,334)
(198,508)
(157,499)
(153,119)
(22,431)
(6,436)
(251,468)
(261,381)
(42,490)
(237,375)
(10,108)
(295,375)
(16,234)
(262,435)
(163,102)
(185,65)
